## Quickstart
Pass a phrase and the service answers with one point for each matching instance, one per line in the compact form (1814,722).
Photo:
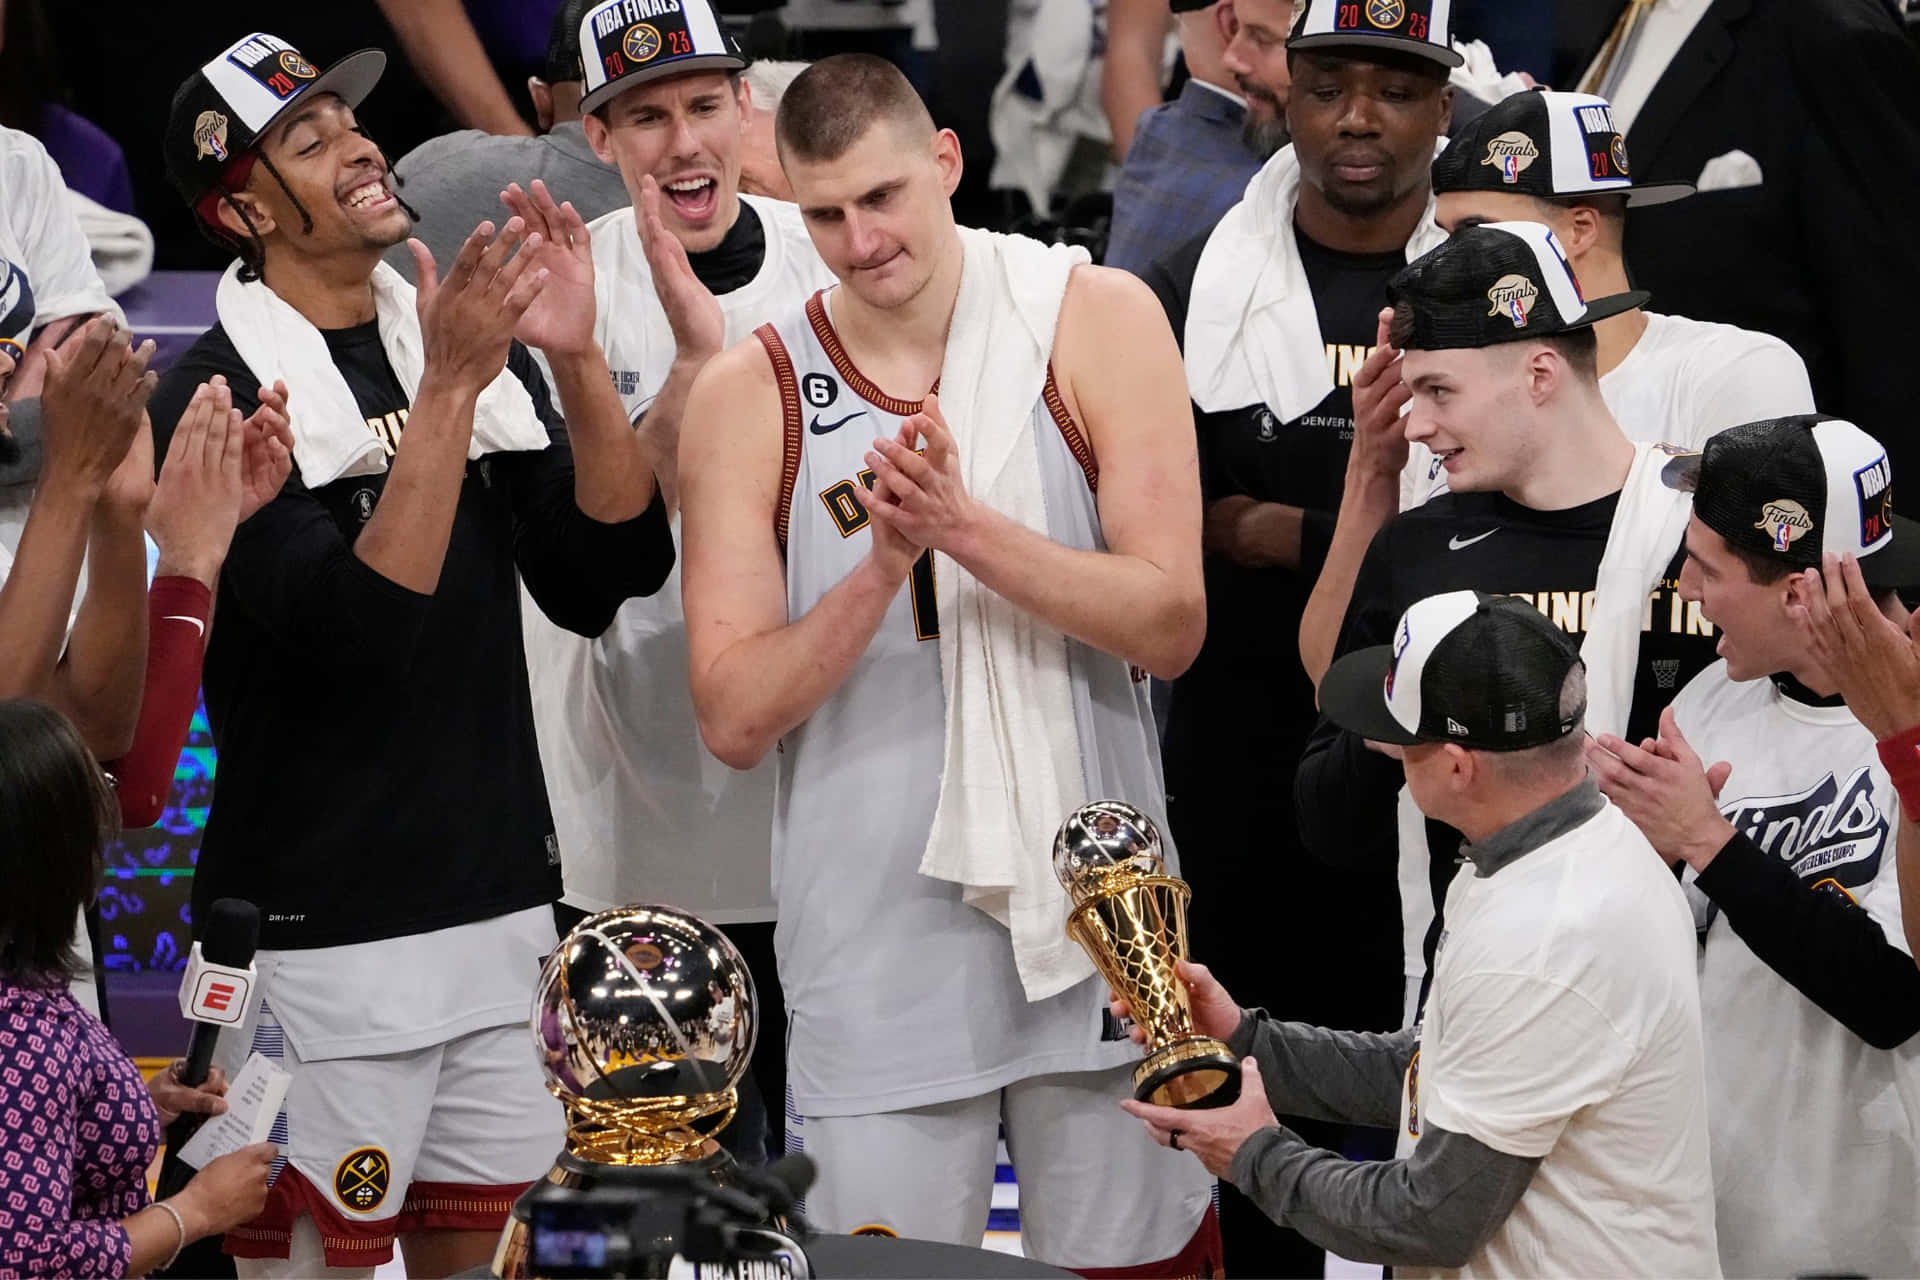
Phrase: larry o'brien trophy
(1130,916)
(644,1020)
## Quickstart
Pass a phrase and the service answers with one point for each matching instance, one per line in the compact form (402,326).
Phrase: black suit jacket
(1825,253)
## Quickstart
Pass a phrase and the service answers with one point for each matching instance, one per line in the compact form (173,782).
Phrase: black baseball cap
(1550,145)
(624,43)
(224,108)
(1498,282)
(1480,670)
(1419,27)
(562,62)
(1191,6)
(1793,488)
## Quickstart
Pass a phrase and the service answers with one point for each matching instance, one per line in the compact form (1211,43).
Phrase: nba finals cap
(1793,488)
(628,42)
(1550,145)
(1479,670)
(1419,27)
(1497,282)
(226,106)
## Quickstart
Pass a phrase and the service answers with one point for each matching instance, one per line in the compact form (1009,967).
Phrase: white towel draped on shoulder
(1647,528)
(330,435)
(1253,334)
(1012,768)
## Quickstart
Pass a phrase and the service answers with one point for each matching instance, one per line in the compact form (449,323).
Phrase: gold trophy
(644,1021)
(1130,917)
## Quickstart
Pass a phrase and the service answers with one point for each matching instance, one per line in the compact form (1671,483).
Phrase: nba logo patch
(1873,485)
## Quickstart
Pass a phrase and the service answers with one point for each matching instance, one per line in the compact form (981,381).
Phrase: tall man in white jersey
(946,661)
(642,811)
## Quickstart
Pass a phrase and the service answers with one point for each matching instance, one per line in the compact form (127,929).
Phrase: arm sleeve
(577,569)
(177,613)
(1857,193)
(58,260)
(1821,942)
(39,1237)
(1433,1209)
(292,570)
(1352,1077)
(1346,797)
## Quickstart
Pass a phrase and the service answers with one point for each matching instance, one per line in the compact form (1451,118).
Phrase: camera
(673,1221)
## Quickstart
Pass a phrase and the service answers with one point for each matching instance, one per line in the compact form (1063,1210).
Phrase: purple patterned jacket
(77,1132)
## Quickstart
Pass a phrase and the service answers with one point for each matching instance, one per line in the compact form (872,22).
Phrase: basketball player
(643,812)
(816,628)
(1557,159)
(380,795)
(1772,788)
(1550,501)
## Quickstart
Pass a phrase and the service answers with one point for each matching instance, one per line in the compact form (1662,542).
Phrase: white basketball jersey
(899,994)
(643,811)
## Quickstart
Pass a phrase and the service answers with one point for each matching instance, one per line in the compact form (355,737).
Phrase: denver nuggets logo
(1619,150)
(1386,14)
(360,1180)
(641,43)
(210,136)
(296,66)
(1513,296)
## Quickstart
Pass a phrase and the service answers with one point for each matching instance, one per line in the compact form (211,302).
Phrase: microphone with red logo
(213,995)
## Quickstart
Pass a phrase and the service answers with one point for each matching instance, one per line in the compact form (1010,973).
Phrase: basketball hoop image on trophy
(644,1020)
(1130,916)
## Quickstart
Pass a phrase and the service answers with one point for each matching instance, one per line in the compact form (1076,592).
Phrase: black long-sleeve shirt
(1344,794)
(377,774)
(1822,942)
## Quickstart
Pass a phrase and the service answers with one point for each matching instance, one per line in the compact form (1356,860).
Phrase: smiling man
(380,795)
(1550,502)
(643,812)
(1776,786)
(1277,305)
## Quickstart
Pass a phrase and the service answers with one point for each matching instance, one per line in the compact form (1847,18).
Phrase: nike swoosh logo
(1461,544)
(198,625)
(820,428)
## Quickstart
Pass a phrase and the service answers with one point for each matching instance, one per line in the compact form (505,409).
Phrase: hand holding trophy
(1130,917)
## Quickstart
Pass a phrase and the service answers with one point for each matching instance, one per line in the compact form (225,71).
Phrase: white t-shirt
(1816,1133)
(39,233)
(643,811)
(1564,1024)
(1685,380)
(41,239)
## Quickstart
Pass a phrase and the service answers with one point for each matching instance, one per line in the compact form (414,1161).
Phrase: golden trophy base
(1193,1075)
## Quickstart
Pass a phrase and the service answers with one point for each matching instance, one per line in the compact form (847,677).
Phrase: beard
(1265,137)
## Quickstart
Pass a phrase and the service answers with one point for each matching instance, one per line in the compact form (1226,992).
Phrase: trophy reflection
(1130,917)
(644,1020)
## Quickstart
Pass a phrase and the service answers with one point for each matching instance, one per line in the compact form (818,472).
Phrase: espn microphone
(213,995)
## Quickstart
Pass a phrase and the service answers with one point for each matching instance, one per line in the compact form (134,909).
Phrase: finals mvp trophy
(1130,917)
(644,1020)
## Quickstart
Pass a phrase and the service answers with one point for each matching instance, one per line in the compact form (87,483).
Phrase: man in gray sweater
(1550,1101)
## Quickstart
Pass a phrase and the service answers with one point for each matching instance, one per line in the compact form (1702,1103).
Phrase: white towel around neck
(330,435)
(1253,334)
(1648,524)
(1011,771)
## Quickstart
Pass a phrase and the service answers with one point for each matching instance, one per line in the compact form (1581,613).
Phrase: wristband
(1901,756)
(181,597)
